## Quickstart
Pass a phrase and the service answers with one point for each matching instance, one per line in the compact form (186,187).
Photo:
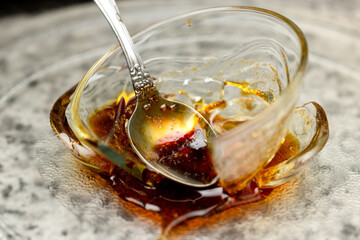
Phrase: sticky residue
(189,22)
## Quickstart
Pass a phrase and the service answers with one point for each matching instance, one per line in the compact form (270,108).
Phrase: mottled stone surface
(41,56)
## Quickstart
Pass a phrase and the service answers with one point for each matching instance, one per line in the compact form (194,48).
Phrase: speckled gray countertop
(43,55)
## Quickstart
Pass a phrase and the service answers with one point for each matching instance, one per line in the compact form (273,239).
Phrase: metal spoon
(156,119)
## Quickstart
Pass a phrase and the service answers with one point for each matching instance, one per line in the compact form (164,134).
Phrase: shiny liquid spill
(174,203)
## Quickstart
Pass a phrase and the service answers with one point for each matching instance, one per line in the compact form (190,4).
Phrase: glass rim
(83,133)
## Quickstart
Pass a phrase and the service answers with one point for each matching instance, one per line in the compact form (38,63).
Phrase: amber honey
(160,196)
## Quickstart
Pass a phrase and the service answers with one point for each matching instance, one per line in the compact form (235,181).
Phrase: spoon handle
(141,79)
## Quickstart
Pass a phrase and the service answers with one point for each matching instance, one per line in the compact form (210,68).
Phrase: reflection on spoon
(171,138)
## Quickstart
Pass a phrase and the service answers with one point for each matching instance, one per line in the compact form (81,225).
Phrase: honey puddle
(163,199)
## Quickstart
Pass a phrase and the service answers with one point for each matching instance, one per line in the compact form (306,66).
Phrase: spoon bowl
(159,122)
